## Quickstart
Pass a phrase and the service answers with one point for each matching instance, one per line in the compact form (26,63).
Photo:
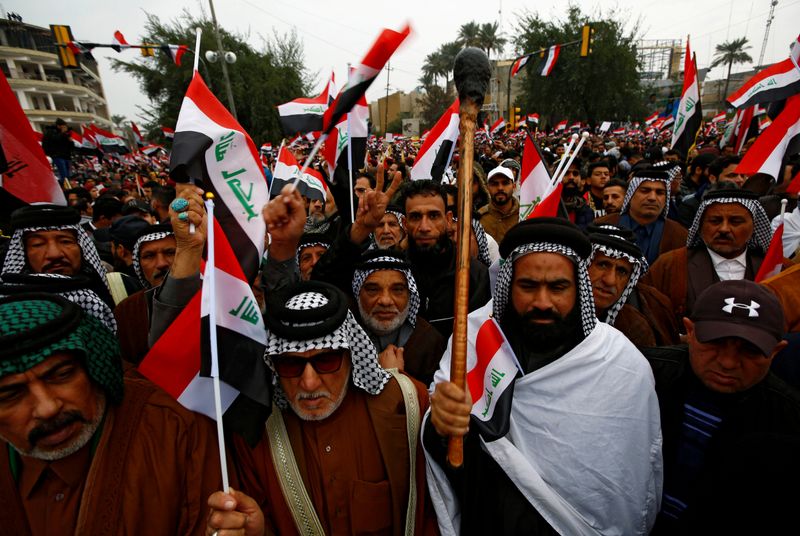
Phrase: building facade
(45,91)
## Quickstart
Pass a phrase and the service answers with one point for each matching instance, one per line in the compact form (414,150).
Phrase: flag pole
(350,157)
(584,137)
(311,156)
(199,32)
(211,279)
(566,155)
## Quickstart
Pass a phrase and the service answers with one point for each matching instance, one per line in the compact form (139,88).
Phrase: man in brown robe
(86,451)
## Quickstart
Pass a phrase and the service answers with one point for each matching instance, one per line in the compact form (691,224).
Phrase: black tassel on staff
(471,74)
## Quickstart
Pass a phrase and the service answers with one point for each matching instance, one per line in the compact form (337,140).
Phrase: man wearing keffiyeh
(525,482)
(728,239)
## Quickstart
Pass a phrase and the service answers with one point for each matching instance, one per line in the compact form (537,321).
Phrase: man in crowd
(517,477)
(311,248)
(49,239)
(57,144)
(614,195)
(728,239)
(388,303)
(639,311)
(597,175)
(433,255)
(123,237)
(731,427)
(719,170)
(82,443)
(578,211)
(502,212)
(160,199)
(644,211)
(153,255)
(391,232)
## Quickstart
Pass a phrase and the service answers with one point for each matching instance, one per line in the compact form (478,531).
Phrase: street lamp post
(225,57)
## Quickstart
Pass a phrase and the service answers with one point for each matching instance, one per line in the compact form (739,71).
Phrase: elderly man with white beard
(388,302)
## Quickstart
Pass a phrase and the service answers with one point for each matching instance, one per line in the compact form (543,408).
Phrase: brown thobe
(354,464)
(133,325)
(647,319)
(673,237)
(786,286)
(497,223)
(154,466)
(422,351)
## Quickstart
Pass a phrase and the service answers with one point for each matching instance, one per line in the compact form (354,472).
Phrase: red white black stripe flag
(651,119)
(434,155)
(137,135)
(364,74)
(119,41)
(497,127)
(538,196)
(689,116)
(778,82)
(779,141)
(350,132)
(549,60)
(174,52)
(168,133)
(519,64)
(305,115)
(210,145)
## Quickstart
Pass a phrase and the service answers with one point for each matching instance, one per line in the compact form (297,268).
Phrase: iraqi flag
(346,146)
(745,127)
(77,139)
(212,148)
(364,74)
(497,127)
(668,122)
(533,119)
(619,131)
(119,42)
(27,175)
(174,52)
(549,60)
(575,126)
(777,82)
(437,150)
(107,139)
(519,64)
(286,171)
(538,196)
(168,132)
(651,119)
(561,126)
(491,379)
(719,118)
(773,259)
(777,143)
(689,116)
(137,135)
(305,115)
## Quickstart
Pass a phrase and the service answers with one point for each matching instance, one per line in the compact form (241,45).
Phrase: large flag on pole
(538,196)
(777,82)
(519,64)
(434,155)
(28,176)
(773,259)
(364,74)
(210,146)
(549,60)
(780,140)
(336,146)
(689,116)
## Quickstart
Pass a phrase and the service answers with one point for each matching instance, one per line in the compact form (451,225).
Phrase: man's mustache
(54,425)
(540,314)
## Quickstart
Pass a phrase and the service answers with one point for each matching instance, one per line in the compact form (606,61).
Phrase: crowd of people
(651,384)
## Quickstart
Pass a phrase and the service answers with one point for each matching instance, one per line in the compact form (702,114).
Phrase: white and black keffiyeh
(137,263)
(366,372)
(86,298)
(361,274)
(634,184)
(483,243)
(301,247)
(502,288)
(16,263)
(639,268)
(762,232)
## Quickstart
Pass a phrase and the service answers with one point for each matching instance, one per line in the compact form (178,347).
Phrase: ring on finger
(180,204)
(183,216)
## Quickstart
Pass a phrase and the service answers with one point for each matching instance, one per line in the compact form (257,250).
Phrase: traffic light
(515,118)
(62,35)
(587,39)
(148,50)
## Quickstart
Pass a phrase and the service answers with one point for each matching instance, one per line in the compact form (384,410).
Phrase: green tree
(469,34)
(490,38)
(603,87)
(118,120)
(260,80)
(731,52)
(433,105)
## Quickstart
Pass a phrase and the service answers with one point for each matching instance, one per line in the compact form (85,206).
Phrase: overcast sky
(341,31)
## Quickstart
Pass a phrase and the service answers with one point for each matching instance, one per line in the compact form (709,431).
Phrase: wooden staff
(471,74)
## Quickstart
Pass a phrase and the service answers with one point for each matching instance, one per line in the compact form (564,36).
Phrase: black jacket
(748,483)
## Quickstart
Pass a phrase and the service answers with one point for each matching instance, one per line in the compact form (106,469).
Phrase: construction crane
(771,15)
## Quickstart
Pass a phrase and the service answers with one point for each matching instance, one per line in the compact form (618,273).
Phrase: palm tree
(447,57)
(731,52)
(432,68)
(491,39)
(469,34)
(118,120)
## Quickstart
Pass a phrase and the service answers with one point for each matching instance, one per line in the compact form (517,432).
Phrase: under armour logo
(731,304)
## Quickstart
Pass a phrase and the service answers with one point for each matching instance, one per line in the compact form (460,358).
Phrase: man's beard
(435,249)
(542,339)
(501,199)
(317,217)
(570,190)
(380,328)
(60,422)
(321,393)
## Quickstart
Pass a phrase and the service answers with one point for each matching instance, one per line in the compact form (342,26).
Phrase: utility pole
(221,53)
(771,15)
(386,110)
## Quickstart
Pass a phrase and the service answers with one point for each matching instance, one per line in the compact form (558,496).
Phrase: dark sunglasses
(324,363)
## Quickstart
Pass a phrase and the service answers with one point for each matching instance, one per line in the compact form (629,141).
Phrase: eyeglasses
(324,363)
